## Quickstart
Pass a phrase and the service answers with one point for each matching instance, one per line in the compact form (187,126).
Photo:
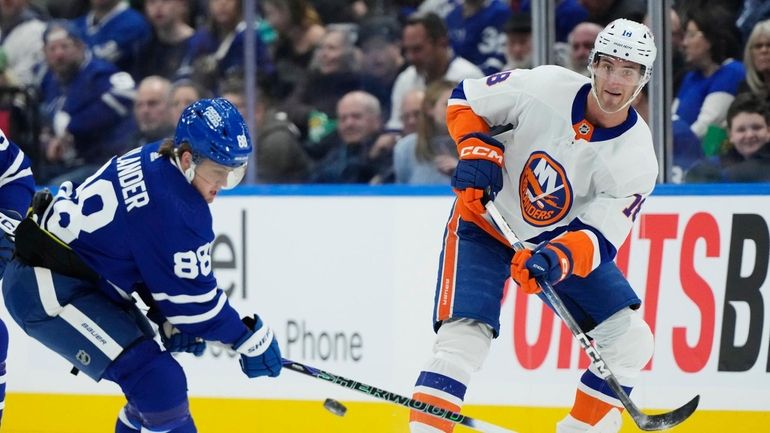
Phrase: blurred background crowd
(350,91)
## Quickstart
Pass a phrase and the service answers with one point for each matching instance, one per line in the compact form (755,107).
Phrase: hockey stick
(645,422)
(381,394)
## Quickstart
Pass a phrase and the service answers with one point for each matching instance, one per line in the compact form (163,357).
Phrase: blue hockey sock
(156,389)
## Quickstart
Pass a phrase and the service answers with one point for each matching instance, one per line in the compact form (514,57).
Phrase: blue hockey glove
(260,354)
(479,171)
(551,261)
(175,340)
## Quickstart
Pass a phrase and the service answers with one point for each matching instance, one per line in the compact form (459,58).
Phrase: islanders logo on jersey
(544,190)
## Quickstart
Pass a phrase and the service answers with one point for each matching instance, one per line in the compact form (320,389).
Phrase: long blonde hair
(755,81)
(426,127)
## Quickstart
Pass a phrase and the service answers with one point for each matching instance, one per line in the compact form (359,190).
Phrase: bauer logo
(544,190)
(83,357)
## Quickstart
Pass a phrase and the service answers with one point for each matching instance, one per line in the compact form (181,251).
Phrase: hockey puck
(335,407)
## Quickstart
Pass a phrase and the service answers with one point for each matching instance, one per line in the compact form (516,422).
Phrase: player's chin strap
(645,422)
(188,174)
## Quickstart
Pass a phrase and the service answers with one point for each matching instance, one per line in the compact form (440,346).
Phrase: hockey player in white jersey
(140,224)
(570,178)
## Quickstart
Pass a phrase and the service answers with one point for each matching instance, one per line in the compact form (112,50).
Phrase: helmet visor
(219,175)
(607,67)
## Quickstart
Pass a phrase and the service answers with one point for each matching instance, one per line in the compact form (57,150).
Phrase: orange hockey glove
(549,260)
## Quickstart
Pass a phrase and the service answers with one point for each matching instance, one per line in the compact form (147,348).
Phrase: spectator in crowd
(152,110)
(299,31)
(351,159)
(426,46)
(603,12)
(756,59)
(581,42)
(218,49)
(280,157)
(411,107)
(710,86)
(115,32)
(333,73)
(169,47)
(379,39)
(518,42)
(86,104)
(21,39)
(747,158)
(428,156)
(184,93)
(751,12)
(475,32)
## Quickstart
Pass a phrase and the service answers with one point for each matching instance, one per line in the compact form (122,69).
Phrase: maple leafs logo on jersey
(544,190)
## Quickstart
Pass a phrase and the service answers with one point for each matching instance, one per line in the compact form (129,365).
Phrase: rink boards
(345,276)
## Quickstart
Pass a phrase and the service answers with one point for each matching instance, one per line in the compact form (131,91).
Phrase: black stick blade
(667,420)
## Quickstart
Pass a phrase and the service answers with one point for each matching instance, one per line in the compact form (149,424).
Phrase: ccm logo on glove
(481,152)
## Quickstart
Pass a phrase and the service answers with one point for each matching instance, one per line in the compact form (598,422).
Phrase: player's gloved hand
(9,219)
(260,354)
(479,171)
(175,340)
(549,260)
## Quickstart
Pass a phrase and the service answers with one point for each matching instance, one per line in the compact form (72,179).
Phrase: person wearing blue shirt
(16,189)
(86,106)
(217,50)
(115,32)
(140,225)
(710,43)
(476,33)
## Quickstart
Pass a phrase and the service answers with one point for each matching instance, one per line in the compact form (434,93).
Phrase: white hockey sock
(610,423)
(460,349)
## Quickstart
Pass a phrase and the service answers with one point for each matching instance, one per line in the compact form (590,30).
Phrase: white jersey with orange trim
(560,172)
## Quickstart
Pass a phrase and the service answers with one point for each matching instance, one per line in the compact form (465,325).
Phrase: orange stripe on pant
(424,418)
(448,268)
(589,409)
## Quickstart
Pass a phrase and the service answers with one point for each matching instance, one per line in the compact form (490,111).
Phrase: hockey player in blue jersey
(140,224)
(16,189)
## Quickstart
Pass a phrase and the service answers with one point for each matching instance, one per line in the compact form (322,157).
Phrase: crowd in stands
(351,91)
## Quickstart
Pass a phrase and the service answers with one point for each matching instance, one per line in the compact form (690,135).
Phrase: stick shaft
(391,397)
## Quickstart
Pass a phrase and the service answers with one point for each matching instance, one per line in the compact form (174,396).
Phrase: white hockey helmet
(626,40)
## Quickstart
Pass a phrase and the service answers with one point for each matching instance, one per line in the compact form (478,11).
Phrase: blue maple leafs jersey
(141,226)
(118,38)
(479,38)
(16,183)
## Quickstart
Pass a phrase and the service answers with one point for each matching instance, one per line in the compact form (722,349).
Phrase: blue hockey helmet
(215,130)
